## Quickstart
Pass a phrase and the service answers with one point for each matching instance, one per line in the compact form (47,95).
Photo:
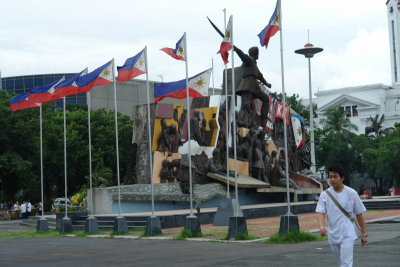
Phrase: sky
(50,36)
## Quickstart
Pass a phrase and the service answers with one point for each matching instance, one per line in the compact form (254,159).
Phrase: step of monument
(106,223)
(382,205)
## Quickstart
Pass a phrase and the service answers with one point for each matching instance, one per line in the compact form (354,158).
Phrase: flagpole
(149,132)
(233,107)
(284,114)
(227,120)
(65,159)
(41,160)
(212,66)
(116,139)
(90,153)
(189,134)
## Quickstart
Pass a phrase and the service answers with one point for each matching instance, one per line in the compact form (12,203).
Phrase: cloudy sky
(48,36)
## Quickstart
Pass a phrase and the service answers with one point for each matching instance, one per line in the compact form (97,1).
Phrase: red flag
(179,51)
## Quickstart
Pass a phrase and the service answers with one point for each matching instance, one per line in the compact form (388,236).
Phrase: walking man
(340,230)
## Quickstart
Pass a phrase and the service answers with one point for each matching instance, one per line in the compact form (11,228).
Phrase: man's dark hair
(336,168)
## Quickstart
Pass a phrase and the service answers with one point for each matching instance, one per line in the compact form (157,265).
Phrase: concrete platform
(243,181)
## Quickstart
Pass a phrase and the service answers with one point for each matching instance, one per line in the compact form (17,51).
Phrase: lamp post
(309,51)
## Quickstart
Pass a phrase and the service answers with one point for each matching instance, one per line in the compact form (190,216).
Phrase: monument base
(66,225)
(153,226)
(120,225)
(289,223)
(237,225)
(192,223)
(226,209)
(91,225)
(42,225)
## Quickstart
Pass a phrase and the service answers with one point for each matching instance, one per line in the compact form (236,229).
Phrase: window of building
(350,111)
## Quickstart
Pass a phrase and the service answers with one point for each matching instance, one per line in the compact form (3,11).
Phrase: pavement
(382,250)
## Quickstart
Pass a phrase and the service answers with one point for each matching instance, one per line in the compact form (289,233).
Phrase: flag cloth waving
(43,93)
(67,87)
(272,27)
(198,87)
(100,76)
(179,51)
(133,67)
(21,102)
(226,44)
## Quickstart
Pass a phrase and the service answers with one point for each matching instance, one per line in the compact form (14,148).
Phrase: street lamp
(309,51)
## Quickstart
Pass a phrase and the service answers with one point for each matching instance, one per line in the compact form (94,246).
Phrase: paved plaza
(383,250)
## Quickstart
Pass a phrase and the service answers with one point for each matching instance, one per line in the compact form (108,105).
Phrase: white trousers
(343,253)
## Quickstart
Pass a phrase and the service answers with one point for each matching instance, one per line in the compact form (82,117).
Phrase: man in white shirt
(341,232)
(23,210)
(28,209)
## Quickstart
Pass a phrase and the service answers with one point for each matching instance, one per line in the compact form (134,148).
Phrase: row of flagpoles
(133,67)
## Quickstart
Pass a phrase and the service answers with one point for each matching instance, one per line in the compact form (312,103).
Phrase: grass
(294,237)
(186,233)
(242,236)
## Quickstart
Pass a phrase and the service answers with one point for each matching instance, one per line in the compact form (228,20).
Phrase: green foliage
(186,233)
(20,149)
(242,236)
(294,237)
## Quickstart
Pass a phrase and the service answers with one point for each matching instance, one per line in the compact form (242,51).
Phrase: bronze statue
(166,175)
(163,139)
(249,86)
(195,129)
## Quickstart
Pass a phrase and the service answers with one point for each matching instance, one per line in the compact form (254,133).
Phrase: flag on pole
(100,76)
(43,93)
(226,44)
(198,87)
(21,102)
(133,67)
(297,130)
(68,86)
(179,51)
(272,27)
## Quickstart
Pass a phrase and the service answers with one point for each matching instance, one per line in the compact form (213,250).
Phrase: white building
(365,101)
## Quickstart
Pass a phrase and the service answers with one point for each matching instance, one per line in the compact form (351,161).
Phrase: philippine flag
(179,51)
(198,87)
(297,130)
(133,67)
(272,27)
(21,102)
(226,44)
(68,86)
(44,93)
(100,76)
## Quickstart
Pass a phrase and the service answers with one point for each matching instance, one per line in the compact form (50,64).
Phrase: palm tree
(336,122)
(376,126)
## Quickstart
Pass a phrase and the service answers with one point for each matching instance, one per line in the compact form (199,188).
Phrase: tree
(336,122)
(376,126)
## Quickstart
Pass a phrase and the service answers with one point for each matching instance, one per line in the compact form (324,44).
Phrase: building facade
(393,12)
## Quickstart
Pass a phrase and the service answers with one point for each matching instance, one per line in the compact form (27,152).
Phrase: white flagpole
(116,139)
(149,131)
(41,160)
(233,106)
(189,134)
(284,114)
(90,153)
(227,120)
(212,66)
(65,158)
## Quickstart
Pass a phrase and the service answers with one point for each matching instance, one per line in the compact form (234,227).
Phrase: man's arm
(321,222)
(361,222)
(245,58)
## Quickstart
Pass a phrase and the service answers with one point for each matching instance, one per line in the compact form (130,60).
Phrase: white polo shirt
(340,228)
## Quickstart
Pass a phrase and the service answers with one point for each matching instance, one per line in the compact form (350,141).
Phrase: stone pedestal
(120,225)
(153,226)
(237,225)
(289,223)
(42,225)
(226,209)
(66,225)
(91,225)
(192,223)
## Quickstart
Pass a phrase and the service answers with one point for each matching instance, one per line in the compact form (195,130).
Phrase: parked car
(59,203)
